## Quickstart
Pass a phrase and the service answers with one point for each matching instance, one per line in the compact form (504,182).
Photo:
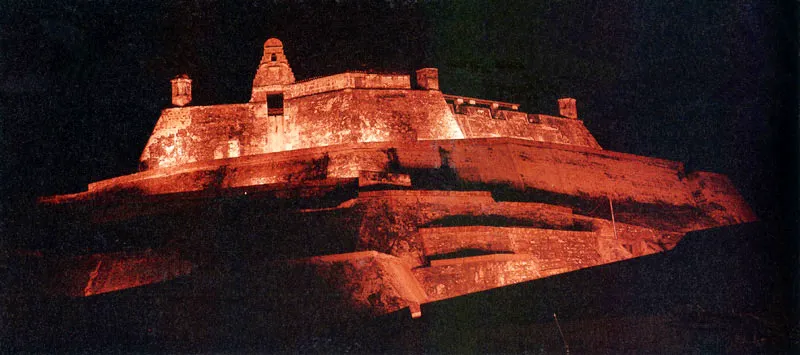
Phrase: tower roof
(273,72)
(273,42)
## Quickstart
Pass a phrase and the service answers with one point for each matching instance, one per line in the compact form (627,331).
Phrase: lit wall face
(202,133)
(361,116)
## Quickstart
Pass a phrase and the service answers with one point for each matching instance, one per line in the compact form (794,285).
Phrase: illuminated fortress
(384,191)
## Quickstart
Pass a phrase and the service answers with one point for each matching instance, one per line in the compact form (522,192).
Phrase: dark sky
(83,82)
(711,85)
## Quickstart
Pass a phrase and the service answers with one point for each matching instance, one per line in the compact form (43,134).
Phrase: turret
(567,107)
(181,90)
(428,78)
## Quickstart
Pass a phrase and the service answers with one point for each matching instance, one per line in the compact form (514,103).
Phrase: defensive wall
(515,162)
(341,109)
(523,165)
(477,122)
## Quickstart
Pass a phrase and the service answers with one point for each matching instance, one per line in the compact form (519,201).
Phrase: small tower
(181,90)
(273,72)
(428,78)
(567,107)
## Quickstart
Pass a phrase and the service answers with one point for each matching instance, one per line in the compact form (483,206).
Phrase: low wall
(391,220)
(347,81)
(507,239)
(468,275)
(477,122)
(518,163)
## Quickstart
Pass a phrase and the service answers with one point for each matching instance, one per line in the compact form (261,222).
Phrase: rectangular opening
(275,104)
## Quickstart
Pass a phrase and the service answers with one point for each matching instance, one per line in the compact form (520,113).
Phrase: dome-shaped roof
(273,42)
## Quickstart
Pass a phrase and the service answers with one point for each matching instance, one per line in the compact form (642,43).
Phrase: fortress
(382,190)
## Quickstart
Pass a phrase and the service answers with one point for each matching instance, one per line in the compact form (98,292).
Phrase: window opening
(275,104)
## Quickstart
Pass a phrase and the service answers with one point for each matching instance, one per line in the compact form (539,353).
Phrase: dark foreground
(715,293)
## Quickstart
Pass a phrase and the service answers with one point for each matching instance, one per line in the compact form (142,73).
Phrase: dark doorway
(275,104)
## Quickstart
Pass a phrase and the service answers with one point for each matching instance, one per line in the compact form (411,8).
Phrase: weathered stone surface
(453,278)
(477,122)
(181,90)
(716,195)
(391,219)
(368,282)
(567,107)
(369,178)
(518,254)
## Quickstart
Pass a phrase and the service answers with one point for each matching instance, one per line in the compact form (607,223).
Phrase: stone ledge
(482,259)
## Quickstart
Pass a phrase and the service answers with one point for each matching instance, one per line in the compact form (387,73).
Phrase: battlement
(480,118)
(458,104)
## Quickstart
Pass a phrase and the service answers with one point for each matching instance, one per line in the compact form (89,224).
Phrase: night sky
(710,85)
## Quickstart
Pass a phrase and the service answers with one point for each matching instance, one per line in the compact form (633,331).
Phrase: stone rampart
(340,109)
(560,170)
(556,168)
(517,240)
(199,133)
(368,115)
(203,133)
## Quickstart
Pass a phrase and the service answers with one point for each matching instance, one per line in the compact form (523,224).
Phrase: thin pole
(613,223)
(566,346)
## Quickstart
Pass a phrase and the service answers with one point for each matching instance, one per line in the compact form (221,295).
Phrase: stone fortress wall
(557,170)
(352,107)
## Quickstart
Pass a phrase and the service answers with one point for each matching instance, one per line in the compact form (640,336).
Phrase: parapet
(349,80)
(479,118)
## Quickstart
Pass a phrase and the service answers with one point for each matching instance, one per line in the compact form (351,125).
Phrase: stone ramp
(457,277)
(374,282)
(108,272)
